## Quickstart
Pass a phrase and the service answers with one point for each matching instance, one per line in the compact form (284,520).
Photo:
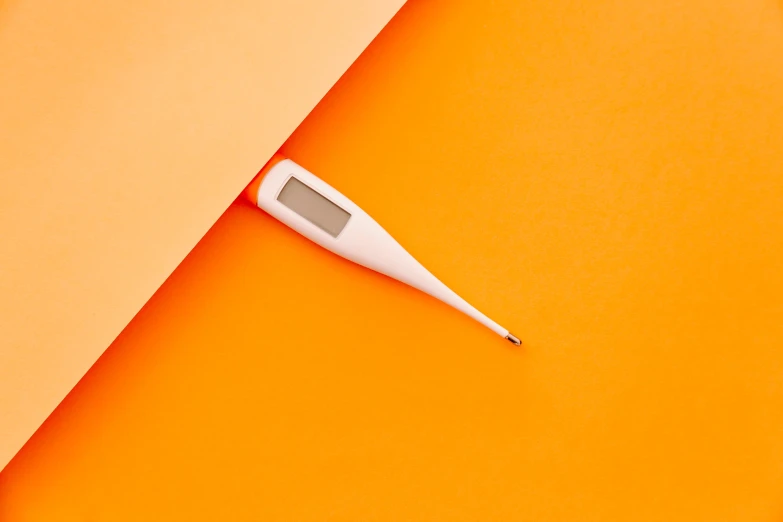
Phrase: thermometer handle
(304,202)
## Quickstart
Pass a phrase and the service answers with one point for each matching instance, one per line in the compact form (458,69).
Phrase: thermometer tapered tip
(513,339)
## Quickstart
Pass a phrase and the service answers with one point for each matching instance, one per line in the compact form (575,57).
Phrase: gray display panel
(314,207)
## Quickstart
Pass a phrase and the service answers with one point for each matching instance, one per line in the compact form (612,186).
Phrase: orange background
(603,178)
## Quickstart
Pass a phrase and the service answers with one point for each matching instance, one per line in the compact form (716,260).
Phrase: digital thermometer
(310,206)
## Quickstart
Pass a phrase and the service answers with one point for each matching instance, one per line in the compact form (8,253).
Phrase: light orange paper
(125,130)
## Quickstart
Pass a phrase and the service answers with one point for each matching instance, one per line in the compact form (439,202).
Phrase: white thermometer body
(310,206)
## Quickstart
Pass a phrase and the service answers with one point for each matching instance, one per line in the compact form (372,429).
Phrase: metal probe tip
(513,339)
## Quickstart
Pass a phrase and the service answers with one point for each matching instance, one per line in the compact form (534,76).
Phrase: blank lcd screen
(313,207)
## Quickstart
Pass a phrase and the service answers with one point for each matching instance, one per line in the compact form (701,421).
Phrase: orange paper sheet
(126,128)
(602,177)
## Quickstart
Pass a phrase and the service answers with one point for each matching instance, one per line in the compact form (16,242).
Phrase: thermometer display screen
(313,207)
